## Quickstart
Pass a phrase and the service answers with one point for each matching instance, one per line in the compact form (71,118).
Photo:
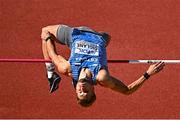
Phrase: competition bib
(86,48)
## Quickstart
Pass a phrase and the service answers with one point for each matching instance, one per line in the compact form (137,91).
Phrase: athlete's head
(85,92)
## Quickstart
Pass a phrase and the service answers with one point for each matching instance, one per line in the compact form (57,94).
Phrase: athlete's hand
(155,68)
(45,34)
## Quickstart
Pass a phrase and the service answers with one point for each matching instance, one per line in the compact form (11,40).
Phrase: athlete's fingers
(158,63)
(160,67)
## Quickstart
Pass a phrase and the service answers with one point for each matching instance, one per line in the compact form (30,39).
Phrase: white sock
(49,74)
(50,69)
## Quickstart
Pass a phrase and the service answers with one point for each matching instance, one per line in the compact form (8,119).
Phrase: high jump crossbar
(109,61)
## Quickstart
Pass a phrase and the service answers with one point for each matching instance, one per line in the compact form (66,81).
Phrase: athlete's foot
(54,82)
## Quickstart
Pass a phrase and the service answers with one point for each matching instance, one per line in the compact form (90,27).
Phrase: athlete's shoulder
(102,75)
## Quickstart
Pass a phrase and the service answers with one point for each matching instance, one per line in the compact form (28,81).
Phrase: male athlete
(87,65)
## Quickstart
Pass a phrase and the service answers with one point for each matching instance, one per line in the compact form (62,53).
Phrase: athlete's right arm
(61,63)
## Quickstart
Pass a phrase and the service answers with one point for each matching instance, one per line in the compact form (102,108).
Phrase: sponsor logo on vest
(86,48)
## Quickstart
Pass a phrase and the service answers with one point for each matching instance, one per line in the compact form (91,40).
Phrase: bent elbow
(127,92)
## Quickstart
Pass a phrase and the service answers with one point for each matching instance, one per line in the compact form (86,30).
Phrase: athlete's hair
(87,102)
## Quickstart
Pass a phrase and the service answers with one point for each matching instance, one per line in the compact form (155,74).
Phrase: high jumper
(87,64)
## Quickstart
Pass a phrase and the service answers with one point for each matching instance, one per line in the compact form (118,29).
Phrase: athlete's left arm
(116,85)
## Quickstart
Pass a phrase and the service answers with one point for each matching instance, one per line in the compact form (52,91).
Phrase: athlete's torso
(87,51)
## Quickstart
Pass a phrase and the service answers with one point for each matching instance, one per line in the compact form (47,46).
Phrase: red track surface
(145,29)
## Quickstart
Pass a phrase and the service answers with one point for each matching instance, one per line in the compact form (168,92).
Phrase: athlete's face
(84,89)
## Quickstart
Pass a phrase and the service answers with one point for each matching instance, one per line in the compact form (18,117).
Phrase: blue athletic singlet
(87,51)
